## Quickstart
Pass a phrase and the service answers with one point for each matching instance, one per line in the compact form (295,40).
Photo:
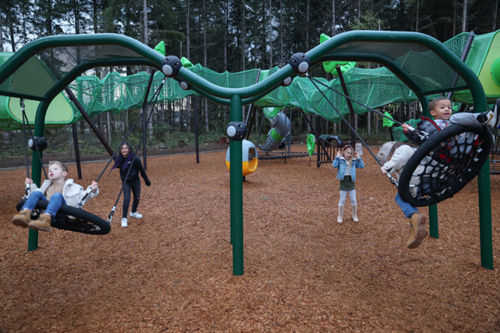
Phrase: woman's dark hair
(122,158)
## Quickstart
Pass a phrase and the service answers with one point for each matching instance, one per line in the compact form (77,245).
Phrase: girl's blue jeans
(53,206)
(407,209)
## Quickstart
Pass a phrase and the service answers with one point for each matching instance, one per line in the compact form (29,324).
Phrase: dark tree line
(236,35)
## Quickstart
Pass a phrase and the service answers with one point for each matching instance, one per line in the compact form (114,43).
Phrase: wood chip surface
(172,270)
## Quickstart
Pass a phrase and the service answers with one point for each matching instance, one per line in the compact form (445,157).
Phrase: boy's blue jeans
(55,203)
(407,209)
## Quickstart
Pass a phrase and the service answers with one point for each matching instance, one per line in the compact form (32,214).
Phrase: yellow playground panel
(250,158)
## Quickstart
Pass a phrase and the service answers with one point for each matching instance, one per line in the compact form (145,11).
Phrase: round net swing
(81,221)
(444,164)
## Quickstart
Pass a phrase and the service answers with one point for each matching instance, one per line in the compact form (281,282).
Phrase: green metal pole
(485,234)
(433,221)
(236,190)
(36,170)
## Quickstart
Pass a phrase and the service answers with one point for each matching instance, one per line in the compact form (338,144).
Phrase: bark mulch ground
(172,270)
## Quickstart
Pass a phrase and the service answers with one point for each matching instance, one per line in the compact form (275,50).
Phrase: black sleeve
(138,165)
(415,138)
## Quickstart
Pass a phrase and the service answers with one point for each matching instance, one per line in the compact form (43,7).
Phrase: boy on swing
(440,109)
(57,190)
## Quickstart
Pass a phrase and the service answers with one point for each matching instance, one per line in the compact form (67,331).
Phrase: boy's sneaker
(42,223)
(492,115)
(417,230)
(124,222)
(136,215)
(22,219)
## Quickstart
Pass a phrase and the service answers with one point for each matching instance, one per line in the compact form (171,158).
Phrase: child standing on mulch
(57,190)
(347,161)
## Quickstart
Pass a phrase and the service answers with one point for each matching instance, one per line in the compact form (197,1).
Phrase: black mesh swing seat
(444,164)
(83,221)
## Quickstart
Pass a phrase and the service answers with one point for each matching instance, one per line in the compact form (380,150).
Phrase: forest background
(229,36)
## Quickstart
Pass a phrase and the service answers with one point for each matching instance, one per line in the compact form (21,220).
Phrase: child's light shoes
(136,215)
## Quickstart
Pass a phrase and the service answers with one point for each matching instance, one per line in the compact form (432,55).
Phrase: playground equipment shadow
(304,272)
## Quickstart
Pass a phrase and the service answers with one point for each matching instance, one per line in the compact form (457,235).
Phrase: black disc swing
(75,219)
(442,165)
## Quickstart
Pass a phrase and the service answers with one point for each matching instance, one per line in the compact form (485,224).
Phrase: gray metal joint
(183,84)
(171,65)
(300,63)
(236,130)
(39,144)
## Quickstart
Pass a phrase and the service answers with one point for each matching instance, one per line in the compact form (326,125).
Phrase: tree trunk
(150,122)
(270,36)
(6,138)
(416,22)
(1,34)
(281,32)
(145,24)
(495,13)
(188,40)
(205,58)
(369,123)
(464,17)
(109,127)
(226,28)
(11,30)
(454,18)
(307,24)
(333,18)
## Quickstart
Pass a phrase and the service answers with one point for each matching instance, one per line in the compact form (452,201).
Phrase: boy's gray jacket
(72,192)
(341,163)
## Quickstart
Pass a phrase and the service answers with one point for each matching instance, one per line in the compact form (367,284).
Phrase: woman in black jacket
(130,166)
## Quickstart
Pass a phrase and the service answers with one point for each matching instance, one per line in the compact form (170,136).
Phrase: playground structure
(250,158)
(391,49)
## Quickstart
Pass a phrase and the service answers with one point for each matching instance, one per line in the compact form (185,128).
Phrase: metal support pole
(196,132)
(85,116)
(349,104)
(77,151)
(144,112)
(485,233)
(236,190)
(80,108)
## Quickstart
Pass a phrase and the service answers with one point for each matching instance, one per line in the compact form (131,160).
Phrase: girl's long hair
(121,158)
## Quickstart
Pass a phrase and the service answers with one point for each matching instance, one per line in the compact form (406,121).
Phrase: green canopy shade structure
(59,112)
(484,60)
(423,63)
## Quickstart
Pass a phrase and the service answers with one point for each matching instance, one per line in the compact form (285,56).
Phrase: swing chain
(27,191)
(82,200)
(110,217)
(423,135)
(392,180)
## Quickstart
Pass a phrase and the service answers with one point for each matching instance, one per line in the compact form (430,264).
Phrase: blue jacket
(341,163)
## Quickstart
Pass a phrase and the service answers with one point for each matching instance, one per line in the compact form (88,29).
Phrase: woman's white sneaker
(124,222)
(136,215)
